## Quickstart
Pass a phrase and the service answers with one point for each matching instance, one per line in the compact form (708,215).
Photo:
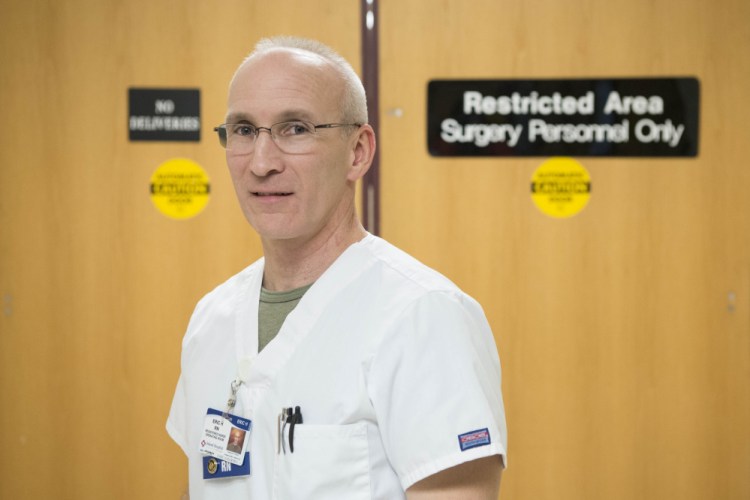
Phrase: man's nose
(266,157)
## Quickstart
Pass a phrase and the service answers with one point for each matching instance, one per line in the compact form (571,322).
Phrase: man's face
(235,437)
(285,196)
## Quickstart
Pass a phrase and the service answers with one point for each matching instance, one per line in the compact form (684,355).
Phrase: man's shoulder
(407,268)
(231,287)
(221,305)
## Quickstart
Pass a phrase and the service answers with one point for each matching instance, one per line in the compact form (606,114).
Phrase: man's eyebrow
(237,118)
(295,114)
(285,116)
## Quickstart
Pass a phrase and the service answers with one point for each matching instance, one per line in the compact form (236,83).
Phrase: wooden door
(96,285)
(624,331)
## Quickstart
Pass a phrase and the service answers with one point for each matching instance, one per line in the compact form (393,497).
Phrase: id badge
(225,437)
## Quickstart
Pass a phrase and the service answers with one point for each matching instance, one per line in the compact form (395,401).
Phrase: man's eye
(243,130)
(295,128)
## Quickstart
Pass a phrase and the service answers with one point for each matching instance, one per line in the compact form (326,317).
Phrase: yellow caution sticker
(561,187)
(180,188)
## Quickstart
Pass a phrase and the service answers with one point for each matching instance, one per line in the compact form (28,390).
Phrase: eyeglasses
(293,137)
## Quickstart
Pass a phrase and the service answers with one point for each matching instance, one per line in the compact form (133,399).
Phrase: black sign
(593,117)
(164,114)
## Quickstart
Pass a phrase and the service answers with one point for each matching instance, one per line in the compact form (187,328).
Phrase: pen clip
(286,414)
(279,430)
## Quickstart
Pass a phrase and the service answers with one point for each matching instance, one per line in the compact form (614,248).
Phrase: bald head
(353,102)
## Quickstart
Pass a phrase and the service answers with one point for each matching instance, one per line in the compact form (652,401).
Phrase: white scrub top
(394,368)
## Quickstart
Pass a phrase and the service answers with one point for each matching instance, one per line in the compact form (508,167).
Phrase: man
(383,381)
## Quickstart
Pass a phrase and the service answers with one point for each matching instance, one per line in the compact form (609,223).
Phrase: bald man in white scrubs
(337,366)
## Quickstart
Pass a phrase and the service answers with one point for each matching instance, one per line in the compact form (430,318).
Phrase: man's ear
(363,153)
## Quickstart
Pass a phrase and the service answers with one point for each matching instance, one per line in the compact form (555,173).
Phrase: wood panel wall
(624,331)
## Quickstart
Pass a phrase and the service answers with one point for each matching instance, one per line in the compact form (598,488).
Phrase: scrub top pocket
(329,462)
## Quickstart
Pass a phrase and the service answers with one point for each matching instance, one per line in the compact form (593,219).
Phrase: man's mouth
(257,193)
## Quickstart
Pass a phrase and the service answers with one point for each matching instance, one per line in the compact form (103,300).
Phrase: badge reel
(224,441)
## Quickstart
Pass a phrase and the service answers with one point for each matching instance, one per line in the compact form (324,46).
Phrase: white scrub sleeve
(436,377)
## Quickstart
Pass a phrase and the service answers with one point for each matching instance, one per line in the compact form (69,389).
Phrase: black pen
(296,418)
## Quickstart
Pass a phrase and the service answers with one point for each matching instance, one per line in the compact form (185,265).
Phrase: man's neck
(291,264)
